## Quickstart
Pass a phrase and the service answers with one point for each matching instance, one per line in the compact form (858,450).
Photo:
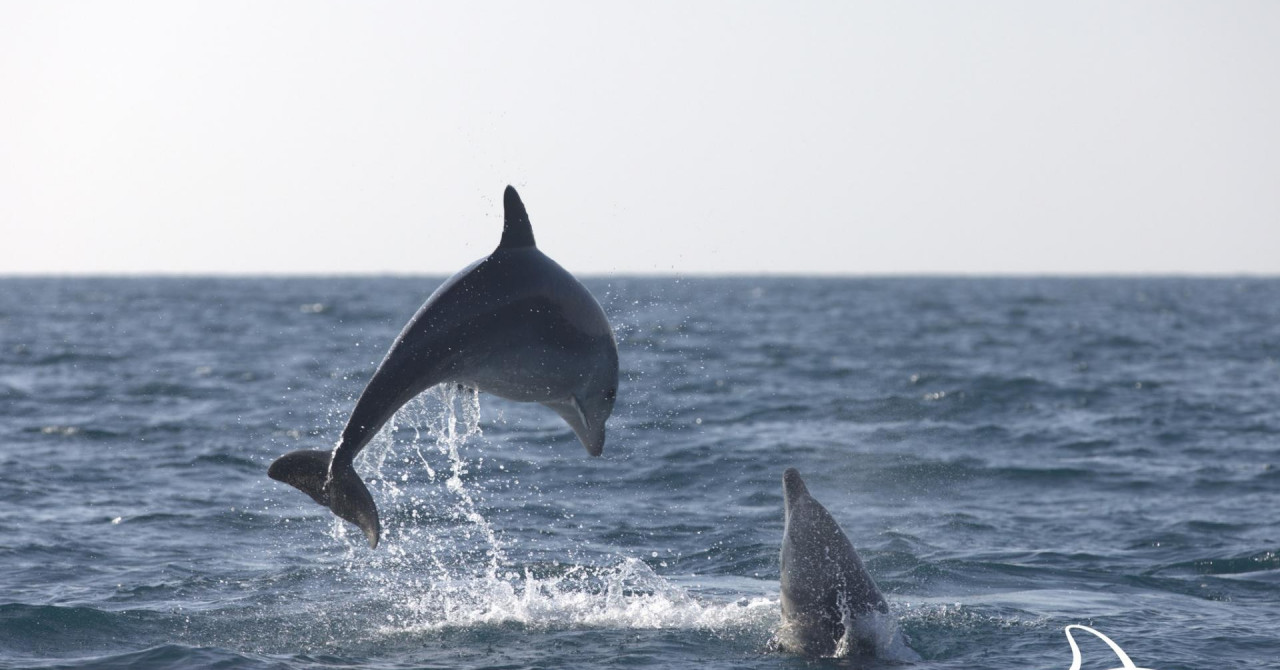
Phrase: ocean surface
(1010,456)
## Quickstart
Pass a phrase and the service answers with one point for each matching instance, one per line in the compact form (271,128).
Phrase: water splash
(628,595)
(443,565)
(426,524)
(880,631)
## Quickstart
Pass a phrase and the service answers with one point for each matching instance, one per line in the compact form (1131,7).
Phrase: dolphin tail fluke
(342,490)
(350,499)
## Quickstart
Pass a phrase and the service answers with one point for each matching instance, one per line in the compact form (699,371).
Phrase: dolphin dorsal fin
(516,229)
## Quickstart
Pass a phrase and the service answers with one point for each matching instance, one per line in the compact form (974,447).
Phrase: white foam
(625,596)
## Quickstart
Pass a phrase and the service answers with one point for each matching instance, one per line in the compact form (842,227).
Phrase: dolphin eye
(611,394)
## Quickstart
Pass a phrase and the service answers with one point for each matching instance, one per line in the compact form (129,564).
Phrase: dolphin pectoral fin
(350,499)
(341,491)
(304,470)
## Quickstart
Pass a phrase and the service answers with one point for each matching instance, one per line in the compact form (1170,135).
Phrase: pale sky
(645,137)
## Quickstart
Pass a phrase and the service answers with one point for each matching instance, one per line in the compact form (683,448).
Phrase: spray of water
(442,564)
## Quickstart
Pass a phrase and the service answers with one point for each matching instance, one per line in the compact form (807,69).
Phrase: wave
(165,656)
(1263,561)
(52,631)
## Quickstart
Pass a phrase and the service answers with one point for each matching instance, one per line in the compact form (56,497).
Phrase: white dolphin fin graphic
(1125,662)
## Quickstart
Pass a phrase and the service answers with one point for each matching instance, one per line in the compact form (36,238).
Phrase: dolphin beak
(592,437)
(593,440)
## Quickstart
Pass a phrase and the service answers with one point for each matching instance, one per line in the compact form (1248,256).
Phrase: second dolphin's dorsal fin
(516,229)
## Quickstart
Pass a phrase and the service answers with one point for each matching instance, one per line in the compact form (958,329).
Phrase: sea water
(1010,456)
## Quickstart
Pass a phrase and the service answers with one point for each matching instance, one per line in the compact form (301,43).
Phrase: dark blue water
(1010,456)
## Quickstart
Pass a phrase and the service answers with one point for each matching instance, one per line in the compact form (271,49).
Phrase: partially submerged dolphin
(515,324)
(830,604)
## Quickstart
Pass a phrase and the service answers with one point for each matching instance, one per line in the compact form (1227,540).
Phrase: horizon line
(655,275)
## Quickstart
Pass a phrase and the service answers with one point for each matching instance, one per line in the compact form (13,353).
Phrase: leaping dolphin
(515,324)
(830,604)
